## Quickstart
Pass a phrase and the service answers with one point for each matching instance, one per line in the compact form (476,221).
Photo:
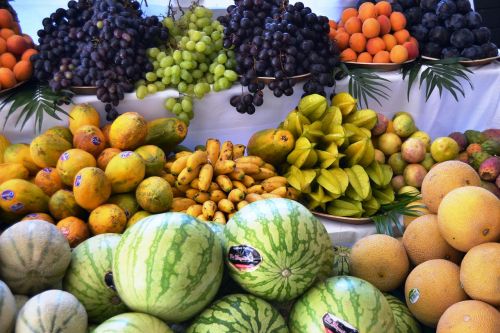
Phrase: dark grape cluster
(278,40)
(98,43)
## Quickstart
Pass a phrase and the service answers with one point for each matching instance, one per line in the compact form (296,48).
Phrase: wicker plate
(348,220)
(472,63)
(377,66)
(5,91)
(84,90)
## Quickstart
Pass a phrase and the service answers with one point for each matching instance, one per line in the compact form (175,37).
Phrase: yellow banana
(178,165)
(219,217)
(280,191)
(226,152)
(195,210)
(182,187)
(238,151)
(226,206)
(167,166)
(169,178)
(273,183)
(292,193)
(225,183)
(239,185)
(213,150)
(242,204)
(201,217)
(256,189)
(196,159)
(248,168)
(217,195)
(250,159)
(201,197)
(182,154)
(264,174)
(208,209)
(237,174)
(180,204)
(236,195)
(252,197)
(248,181)
(186,177)
(269,166)
(270,196)
(224,167)
(213,186)
(191,193)
(205,177)
(195,183)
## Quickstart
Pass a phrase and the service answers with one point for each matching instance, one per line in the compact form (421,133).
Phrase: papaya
(10,171)
(154,158)
(125,171)
(127,202)
(107,218)
(166,133)
(105,130)
(82,114)
(91,187)
(62,131)
(49,181)
(20,153)
(4,143)
(22,197)
(72,161)
(90,139)
(105,156)
(62,204)
(272,145)
(39,216)
(46,149)
(128,131)
(137,217)
(154,195)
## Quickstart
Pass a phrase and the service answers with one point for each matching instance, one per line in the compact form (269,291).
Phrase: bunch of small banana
(215,181)
(334,162)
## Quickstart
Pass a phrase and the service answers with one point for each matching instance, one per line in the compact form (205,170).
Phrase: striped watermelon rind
(287,237)
(341,260)
(7,308)
(327,263)
(353,300)
(403,319)
(89,275)
(56,309)
(133,322)
(168,265)
(239,313)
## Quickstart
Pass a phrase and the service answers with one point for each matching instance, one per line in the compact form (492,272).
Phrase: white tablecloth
(216,118)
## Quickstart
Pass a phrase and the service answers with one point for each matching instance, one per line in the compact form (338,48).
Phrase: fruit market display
(373,33)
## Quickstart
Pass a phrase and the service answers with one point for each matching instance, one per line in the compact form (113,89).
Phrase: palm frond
(365,83)
(389,214)
(34,100)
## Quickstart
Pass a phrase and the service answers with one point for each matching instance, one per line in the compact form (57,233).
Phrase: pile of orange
(373,34)
(16,50)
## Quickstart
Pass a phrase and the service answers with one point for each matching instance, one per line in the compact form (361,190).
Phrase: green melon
(7,309)
(34,256)
(239,313)
(327,264)
(342,301)
(133,322)
(273,248)
(341,260)
(89,277)
(50,312)
(403,319)
(218,229)
(168,265)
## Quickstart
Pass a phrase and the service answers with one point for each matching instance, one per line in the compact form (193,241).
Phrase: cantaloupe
(469,317)
(72,161)
(55,309)
(445,177)
(7,309)
(91,188)
(34,256)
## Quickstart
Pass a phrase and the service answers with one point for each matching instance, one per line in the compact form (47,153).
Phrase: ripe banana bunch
(303,155)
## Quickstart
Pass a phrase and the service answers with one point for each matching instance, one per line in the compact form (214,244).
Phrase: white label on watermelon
(244,258)
(334,324)
(414,295)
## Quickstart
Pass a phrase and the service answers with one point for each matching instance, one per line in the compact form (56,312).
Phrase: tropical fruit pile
(373,33)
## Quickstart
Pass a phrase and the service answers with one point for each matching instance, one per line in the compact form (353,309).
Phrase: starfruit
(313,131)
(301,180)
(371,206)
(313,106)
(366,118)
(303,155)
(334,134)
(359,181)
(332,185)
(294,122)
(369,155)
(384,196)
(354,133)
(342,178)
(345,102)
(345,207)
(356,151)
(328,157)
(375,173)
(332,116)
(318,198)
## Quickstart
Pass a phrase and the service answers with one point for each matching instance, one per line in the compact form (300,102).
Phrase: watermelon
(52,311)
(341,260)
(326,269)
(273,248)
(239,313)
(7,309)
(133,323)
(403,319)
(168,265)
(342,301)
(218,229)
(89,277)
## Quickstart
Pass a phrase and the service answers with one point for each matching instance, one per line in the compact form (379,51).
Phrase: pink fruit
(413,150)
(490,168)
(414,175)
(397,183)
(460,138)
(497,182)
(492,133)
(381,125)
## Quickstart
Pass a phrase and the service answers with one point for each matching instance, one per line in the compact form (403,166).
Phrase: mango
(22,197)
(125,171)
(272,145)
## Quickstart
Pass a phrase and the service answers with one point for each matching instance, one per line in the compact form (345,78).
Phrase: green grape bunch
(194,62)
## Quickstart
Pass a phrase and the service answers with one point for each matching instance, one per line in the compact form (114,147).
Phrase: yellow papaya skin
(91,188)
(10,171)
(166,133)
(272,145)
(125,171)
(21,197)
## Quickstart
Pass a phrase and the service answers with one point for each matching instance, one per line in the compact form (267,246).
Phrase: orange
(348,13)
(16,45)
(382,57)
(8,60)
(28,40)
(28,53)
(383,8)
(385,24)
(357,42)
(375,45)
(7,78)
(412,49)
(431,288)
(3,45)
(6,33)
(399,54)
(332,34)
(381,260)
(6,19)
(398,21)
(371,28)
(367,10)
(390,41)
(365,57)
(423,241)
(16,28)
(353,25)
(23,70)
(348,55)
(402,36)
(342,39)
(332,24)
(469,317)
(74,229)
(479,273)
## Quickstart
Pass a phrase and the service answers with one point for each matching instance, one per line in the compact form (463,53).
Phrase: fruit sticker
(47,170)
(414,295)
(7,195)
(95,140)
(126,154)
(244,258)
(78,180)
(334,324)
(17,207)
(65,156)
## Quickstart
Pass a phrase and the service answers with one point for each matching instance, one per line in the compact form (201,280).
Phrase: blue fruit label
(17,207)
(7,195)
(47,170)
(65,156)
(95,140)
(78,180)
(126,154)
